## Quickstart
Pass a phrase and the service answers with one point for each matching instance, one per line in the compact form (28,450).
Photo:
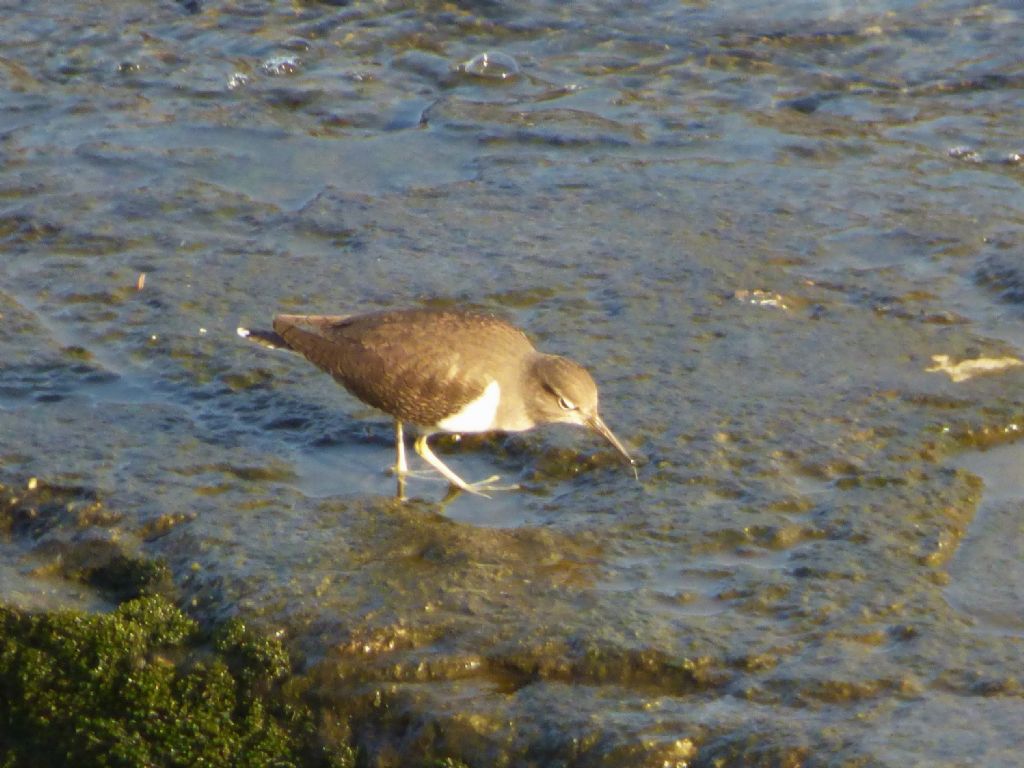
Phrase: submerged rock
(1002,276)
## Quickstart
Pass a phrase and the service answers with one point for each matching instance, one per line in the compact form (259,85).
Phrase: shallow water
(755,230)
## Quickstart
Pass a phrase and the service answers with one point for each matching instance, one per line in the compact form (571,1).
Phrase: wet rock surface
(758,233)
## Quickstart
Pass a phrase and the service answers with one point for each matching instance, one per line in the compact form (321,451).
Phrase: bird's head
(565,392)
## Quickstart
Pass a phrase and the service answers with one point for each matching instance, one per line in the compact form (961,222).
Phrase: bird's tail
(268,339)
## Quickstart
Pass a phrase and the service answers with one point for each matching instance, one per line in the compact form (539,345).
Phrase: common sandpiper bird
(444,370)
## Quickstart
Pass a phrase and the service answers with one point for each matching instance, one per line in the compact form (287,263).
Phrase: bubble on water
(967,154)
(237,80)
(279,66)
(492,65)
(761,298)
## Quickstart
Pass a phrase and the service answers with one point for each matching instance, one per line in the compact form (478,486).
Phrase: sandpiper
(444,370)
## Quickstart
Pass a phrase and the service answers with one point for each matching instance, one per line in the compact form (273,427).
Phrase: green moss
(120,576)
(141,687)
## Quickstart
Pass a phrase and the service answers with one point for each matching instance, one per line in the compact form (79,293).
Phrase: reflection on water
(986,574)
(756,229)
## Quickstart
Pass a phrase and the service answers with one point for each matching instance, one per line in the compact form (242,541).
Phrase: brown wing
(413,364)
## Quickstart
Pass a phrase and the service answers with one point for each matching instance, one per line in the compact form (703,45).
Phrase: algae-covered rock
(141,687)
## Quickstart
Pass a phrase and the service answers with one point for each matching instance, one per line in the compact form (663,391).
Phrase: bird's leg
(478,488)
(401,468)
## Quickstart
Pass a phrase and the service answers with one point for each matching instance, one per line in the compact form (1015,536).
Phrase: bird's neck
(514,413)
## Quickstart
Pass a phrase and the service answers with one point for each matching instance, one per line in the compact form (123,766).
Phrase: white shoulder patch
(478,415)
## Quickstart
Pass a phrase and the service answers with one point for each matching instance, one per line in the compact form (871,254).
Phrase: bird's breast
(477,415)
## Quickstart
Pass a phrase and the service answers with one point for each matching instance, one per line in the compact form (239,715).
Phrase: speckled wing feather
(413,364)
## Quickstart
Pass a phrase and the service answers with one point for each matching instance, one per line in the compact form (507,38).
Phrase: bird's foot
(416,474)
(483,487)
(480,488)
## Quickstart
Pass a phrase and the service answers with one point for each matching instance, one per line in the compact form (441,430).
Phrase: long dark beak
(601,428)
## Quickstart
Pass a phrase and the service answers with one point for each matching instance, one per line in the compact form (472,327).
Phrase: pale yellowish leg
(401,468)
(423,449)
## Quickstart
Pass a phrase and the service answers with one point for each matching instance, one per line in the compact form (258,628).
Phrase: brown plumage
(411,364)
(443,370)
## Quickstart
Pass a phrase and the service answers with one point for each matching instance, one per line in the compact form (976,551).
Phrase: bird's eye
(566,404)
